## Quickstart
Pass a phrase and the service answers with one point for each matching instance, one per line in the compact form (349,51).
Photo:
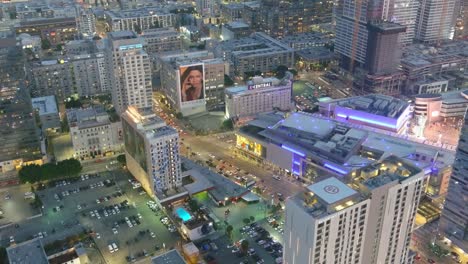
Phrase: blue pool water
(183,214)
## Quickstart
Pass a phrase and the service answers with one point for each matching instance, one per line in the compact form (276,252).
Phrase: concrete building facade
(152,150)
(129,71)
(93,134)
(365,218)
(259,95)
(454,218)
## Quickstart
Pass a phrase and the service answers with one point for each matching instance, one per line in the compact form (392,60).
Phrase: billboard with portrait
(192,86)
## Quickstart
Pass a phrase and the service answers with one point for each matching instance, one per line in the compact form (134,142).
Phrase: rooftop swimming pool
(183,214)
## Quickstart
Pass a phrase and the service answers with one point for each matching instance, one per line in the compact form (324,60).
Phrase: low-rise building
(56,30)
(374,110)
(172,256)
(422,61)
(437,107)
(311,147)
(28,252)
(47,110)
(254,55)
(93,133)
(257,96)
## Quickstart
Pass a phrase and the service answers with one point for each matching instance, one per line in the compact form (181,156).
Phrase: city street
(209,145)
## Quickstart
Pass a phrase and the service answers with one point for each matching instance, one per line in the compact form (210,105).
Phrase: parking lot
(13,205)
(107,204)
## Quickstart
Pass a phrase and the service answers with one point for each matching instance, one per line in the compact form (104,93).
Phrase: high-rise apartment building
(454,218)
(152,150)
(52,77)
(435,21)
(352,32)
(85,22)
(161,40)
(367,217)
(130,71)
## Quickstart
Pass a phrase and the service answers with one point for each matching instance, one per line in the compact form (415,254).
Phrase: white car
(114,230)
(111,248)
(152,235)
(98,236)
(79,207)
(115,247)
(12,239)
(139,215)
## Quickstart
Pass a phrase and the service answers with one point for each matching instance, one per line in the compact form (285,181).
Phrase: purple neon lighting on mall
(367,120)
(297,163)
(293,150)
(334,168)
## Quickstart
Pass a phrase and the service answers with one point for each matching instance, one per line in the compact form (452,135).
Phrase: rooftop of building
(257,43)
(307,37)
(236,25)
(199,184)
(332,194)
(169,257)
(387,27)
(159,32)
(376,104)
(223,188)
(256,84)
(316,53)
(119,35)
(88,117)
(420,55)
(341,146)
(47,21)
(451,97)
(65,257)
(28,252)
(139,12)
(331,190)
(148,122)
(45,105)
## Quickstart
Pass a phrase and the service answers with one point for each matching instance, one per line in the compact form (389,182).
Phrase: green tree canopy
(45,44)
(228,81)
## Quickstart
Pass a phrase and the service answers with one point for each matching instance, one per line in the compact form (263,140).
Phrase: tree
(45,44)
(227,124)
(281,71)
(64,124)
(229,230)
(73,103)
(244,245)
(122,159)
(59,47)
(228,81)
(252,218)
(246,221)
(193,205)
(30,173)
(3,255)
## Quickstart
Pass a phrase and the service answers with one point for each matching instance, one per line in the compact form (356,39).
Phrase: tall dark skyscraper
(352,32)
(454,219)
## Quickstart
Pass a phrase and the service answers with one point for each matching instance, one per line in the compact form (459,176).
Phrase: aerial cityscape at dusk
(233,131)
